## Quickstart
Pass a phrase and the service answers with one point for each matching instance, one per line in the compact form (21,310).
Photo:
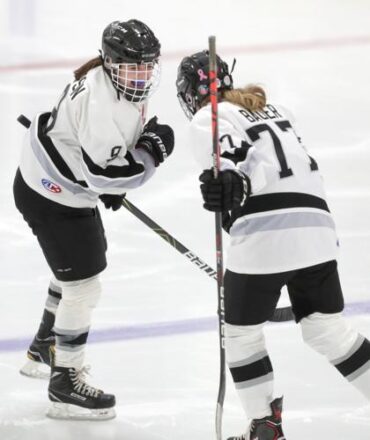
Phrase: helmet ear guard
(107,60)
(193,81)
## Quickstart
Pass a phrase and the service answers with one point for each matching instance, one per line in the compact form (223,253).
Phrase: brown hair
(251,97)
(82,70)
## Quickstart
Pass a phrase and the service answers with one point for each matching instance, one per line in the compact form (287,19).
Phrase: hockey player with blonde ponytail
(281,234)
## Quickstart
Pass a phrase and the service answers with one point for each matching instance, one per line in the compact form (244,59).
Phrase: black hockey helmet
(124,45)
(192,81)
(130,42)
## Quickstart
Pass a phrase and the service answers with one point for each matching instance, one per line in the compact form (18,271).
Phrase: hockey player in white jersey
(94,144)
(281,233)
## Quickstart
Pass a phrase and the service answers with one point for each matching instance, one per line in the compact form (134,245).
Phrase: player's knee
(84,293)
(243,341)
(328,334)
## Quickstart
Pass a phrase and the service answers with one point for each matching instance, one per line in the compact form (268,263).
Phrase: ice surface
(154,340)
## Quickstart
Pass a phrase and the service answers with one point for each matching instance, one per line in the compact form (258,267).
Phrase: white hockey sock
(251,368)
(332,336)
(355,365)
(361,380)
(73,320)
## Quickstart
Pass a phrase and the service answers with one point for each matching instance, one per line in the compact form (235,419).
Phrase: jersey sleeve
(106,162)
(233,145)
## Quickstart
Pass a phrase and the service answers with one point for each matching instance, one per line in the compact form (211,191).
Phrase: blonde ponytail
(251,97)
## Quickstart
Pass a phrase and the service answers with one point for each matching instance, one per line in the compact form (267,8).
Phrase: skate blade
(36,370)
(65,411)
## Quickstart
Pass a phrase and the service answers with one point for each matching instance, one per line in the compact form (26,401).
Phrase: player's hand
(112,201)
(157,139)
(225,192)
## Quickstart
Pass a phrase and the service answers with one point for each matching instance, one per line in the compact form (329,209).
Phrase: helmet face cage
(188,108)
(137,82)
(131,57)
(193,81)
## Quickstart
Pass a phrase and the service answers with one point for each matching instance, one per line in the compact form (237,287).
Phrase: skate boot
(268,428)
(40,355)
(74,399)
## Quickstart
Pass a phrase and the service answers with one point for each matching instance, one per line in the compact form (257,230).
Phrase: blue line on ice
(156,329)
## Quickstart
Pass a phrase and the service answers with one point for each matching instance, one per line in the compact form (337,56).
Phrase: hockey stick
(280,314)
(169,238)
(218,235)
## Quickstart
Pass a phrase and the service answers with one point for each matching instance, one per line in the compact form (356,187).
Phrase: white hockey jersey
(286,223)
(86,145)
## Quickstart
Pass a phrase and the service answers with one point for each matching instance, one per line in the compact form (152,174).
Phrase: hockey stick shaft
(218,236)
(170,239)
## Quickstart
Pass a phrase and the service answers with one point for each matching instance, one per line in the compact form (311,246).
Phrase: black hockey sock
(46,326)
(48,318)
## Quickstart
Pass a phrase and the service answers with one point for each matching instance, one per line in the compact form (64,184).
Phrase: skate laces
(79,384)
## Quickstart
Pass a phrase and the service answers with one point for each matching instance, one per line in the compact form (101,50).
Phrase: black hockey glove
(157,139)
(224,193)
(112,201)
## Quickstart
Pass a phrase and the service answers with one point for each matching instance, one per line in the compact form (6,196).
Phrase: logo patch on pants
(50,186)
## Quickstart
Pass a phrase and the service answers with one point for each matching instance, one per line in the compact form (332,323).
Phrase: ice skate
(268,428)
(40,354)
(74,399)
